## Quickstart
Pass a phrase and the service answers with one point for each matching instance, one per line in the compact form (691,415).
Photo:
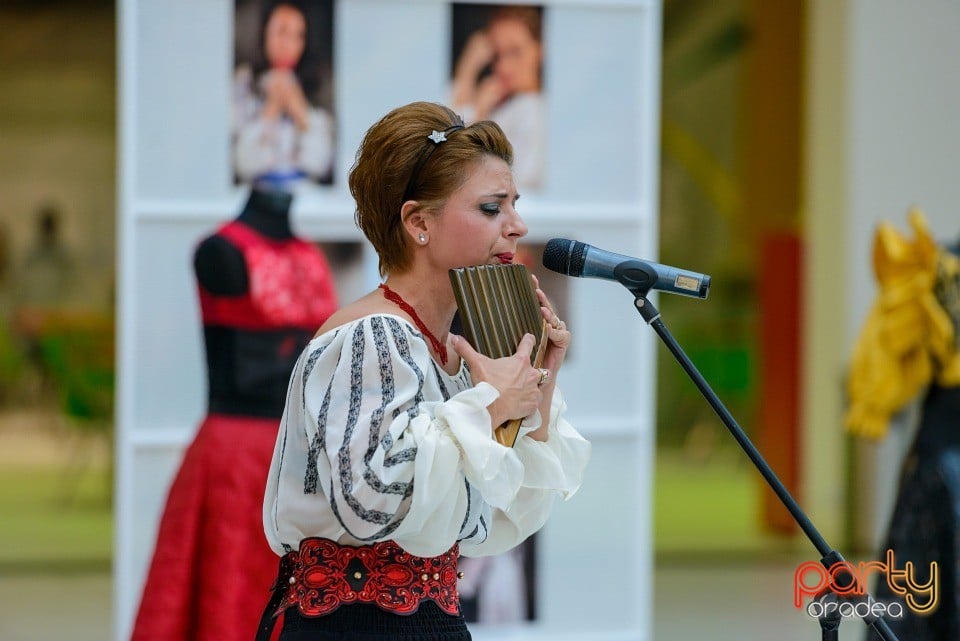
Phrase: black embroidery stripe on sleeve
(477,535)
(308,368)
(403,349)
(466,515)
(474,529)
(318,443)
(387,441)
(283,447)
(444,392)
(343,455)
(283,426)
(376,417)
(276,503)
(379,534)
(400,457)
(310,478)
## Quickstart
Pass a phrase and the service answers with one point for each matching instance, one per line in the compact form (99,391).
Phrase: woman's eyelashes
(490,208)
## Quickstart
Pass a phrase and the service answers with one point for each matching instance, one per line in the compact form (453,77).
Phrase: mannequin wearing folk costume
(910,347)
(263,293)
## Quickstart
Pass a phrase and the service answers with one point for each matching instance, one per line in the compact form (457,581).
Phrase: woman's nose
(516,227)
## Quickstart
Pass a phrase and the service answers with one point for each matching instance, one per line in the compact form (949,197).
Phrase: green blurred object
(79,356)
(721,343)
(80,359)
(11,364)
(728,367)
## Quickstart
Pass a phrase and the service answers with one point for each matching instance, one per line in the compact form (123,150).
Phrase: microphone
(578,259)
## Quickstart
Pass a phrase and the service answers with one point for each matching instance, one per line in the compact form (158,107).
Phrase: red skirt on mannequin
(212,569)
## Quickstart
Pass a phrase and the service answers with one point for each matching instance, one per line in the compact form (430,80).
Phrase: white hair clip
(436,137)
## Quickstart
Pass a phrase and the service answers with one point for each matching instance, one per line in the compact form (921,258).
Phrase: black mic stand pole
(830,624)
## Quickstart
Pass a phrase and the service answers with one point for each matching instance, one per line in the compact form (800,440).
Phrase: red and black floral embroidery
(324,575)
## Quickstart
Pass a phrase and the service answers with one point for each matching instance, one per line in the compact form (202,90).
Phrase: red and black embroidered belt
(323,575)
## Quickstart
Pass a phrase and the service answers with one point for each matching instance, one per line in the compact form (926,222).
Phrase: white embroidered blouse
(378,442)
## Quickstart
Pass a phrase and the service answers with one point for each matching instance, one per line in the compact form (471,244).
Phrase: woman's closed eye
(490,208)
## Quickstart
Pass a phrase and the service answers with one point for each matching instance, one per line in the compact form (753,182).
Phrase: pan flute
(497,306)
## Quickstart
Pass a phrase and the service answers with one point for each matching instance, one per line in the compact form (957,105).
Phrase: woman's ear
(413,217)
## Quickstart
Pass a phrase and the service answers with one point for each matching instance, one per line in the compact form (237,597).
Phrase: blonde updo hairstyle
(392,149)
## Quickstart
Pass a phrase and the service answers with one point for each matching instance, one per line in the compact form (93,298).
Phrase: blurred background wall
(731,180)
(57,124)
(790,130)
(57,244)
(881,135)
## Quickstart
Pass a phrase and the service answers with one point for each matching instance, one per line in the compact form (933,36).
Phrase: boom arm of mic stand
(829,557)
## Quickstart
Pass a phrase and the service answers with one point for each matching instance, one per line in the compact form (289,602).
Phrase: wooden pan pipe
(497,305)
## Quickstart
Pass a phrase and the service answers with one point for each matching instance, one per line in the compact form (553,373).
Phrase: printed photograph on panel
(500,589)
(497,74)
(283,123)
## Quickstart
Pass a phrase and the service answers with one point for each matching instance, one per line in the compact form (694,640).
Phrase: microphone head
(564,256)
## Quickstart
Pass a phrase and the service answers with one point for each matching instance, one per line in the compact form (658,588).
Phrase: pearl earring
(422,237)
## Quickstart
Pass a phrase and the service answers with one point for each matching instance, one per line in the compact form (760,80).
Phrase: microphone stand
(639,285)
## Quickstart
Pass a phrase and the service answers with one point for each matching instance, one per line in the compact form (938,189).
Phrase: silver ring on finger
(544,376)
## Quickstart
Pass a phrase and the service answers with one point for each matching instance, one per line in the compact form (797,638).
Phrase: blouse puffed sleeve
(552,468)
(404,462)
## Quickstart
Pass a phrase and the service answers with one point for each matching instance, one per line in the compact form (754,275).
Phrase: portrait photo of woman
(283,121)
(497,74)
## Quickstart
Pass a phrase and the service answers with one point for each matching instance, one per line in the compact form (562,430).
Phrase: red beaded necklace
(394,297)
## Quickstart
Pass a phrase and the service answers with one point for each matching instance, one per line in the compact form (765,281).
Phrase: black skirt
(366,622)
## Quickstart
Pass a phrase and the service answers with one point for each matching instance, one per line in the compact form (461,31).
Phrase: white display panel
(601,74)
